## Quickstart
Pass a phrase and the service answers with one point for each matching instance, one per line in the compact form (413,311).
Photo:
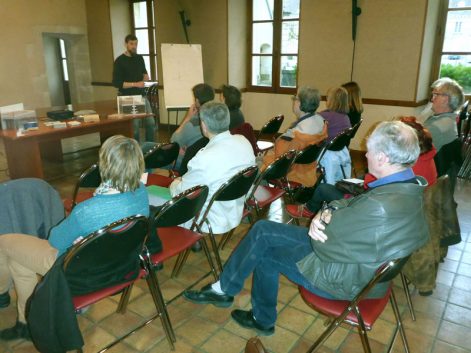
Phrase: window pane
(290,9)
(262,38)
(147,63)
(64,69)
(262,70)
(289,67)
(262,10)
(289,37)
(143,41)
(457,67)
(459,3)
(62,44)
(140,14)
(458,31)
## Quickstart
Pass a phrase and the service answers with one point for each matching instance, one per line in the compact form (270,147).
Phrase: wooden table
(24,152)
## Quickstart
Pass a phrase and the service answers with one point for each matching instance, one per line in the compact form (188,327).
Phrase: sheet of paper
(11,108)
(158,195)
(354,181)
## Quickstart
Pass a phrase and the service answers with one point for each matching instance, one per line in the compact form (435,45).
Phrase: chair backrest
(355,128)
(182,208)
(278,169)
(106,257)
(309,154)
(153,97)
(385,273)
(161,155)
(237,186)
(340,141)
(272,126)
(463,121)
(90,178)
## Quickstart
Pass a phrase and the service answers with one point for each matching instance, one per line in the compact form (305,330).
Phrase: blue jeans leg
(269,249)
(149,125)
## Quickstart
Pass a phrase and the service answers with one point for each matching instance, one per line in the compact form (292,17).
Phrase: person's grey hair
(396,140)
(121,163)
(452,89)
(309,99)
(215,116)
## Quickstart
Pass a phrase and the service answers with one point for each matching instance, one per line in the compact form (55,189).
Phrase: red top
(425,167)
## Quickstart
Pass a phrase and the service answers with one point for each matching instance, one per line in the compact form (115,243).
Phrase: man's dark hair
(203,92)
(232,97)
(129,38)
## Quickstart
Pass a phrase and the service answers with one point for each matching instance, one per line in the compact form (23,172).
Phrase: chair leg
(225,238)
(405,284)
(210,259)
(362,331)
(154,288)
(181,259)
(215,250)
(400,327)
(123,302)
(326,334)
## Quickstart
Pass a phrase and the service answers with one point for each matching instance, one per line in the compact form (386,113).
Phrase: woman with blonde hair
(120,195)
(355,105)
(337,121)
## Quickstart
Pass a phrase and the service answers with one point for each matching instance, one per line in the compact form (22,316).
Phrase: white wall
(120,16)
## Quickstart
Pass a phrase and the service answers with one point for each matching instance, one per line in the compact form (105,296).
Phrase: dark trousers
(324,192)
(268,250)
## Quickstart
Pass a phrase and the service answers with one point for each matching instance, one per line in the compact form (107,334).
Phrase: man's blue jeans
(268,249)
(149,125)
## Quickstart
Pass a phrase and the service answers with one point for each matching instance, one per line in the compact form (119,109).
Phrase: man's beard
(132,52)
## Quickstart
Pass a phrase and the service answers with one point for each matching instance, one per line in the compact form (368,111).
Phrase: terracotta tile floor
(443,319)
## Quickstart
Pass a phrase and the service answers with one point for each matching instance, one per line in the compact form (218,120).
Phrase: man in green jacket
(345,244)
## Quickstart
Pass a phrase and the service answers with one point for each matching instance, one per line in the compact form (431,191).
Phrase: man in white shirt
(224,156)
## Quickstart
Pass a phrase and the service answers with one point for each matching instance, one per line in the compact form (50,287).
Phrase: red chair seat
(84,300)
(266,195)
(159,180)
(174,241)
(370,309)
(81,196)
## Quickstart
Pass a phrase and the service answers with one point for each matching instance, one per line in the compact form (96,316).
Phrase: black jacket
(51,315)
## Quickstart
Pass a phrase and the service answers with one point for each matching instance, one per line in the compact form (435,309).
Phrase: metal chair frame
(270,128)
(225,193)
(168,154)
(385,273)
(124,225)
(84,181)
(290,156)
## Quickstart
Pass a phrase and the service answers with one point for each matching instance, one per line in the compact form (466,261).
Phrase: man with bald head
(346,243)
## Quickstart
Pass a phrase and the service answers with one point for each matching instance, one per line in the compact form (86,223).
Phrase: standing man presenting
(129,74)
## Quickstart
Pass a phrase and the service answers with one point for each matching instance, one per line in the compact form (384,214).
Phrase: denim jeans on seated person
(323,192)
(268,250)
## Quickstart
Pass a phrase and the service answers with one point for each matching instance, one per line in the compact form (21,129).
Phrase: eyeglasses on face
(434,94)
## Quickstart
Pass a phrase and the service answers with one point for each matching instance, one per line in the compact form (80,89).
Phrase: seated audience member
(337,121)
(355,105)
(29,206)
(308,129)
(231,96)
(223,157)
(189,130)
(447,98)
(120,195)
(342,249)
(425,167)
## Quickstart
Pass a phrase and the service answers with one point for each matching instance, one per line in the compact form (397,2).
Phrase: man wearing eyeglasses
(345,244)
(447,98)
